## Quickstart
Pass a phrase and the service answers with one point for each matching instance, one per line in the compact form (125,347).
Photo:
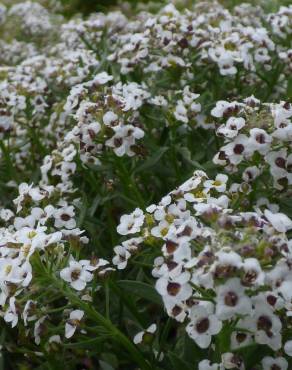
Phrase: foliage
(145,185)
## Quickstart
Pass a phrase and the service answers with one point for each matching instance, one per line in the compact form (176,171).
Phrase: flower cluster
(257,139)
(205,35)
(103,114)
(40,232)
(219,269)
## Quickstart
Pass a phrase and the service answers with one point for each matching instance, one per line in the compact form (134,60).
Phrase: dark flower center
(240,337)
(118,142)
(171,246)
(261,139)
(238,148)
(275,367)
(75,275)
(280,162)
(176,310)
(65,217)
(264,323)
(202,325)
(231,299)
(250,277)
(173,288)
(271,300)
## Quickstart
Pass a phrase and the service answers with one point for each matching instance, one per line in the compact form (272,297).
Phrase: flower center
(171,246)
(238,148)
(173,288)
(275,367)
(264,323)
(250,277)
(280,162)
(164,231)
(202,325)
(75,275)
(8,268)
(65,217)
(261,139)
(231,299)
(271,300)
(240,337)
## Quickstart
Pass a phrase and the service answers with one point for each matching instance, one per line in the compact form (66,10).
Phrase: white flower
(38,329)
(268,327)
(251,173)
(158,100)
(121,257)
(11,315)
(288,348)
(124,139)
(206,365)
(253,274)
(224,106)
(218,184)
(6,214)
(181,112)
(102,78)
(174,289)
(231,361)
(27,312)
(76,274)
(278,363)
(130,224)
(203,325)
(279,221)
(73,322)
(240,339)
(64,217)
(55,339)
(232,127)
(145,335)
(259,140)
(26,190)
(109,117)
(231,300)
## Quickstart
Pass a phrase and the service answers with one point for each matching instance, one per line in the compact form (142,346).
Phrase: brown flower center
(240,337)
(271,300)
(171,246)
(231,299)
(75,275)
(173,288)
(65,217)
(280,162)
(202,325)
(264,323)
(238,149)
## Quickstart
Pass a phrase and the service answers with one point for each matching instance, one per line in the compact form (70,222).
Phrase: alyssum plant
(146,171)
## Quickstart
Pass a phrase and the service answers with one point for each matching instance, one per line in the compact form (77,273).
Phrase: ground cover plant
(145,188)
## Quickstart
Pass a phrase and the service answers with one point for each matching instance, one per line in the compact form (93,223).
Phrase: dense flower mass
(220,268)
(145,188)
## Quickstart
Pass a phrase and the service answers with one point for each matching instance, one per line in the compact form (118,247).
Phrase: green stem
(129,183)
(107,301)
(107,324)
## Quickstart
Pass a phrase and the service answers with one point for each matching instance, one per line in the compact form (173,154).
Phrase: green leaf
(178,363)
(186,154)
(191,351)
(140,289)
(129,304)
(89,343)
(108,361)
(223,338)
(105,366)
(150,162)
